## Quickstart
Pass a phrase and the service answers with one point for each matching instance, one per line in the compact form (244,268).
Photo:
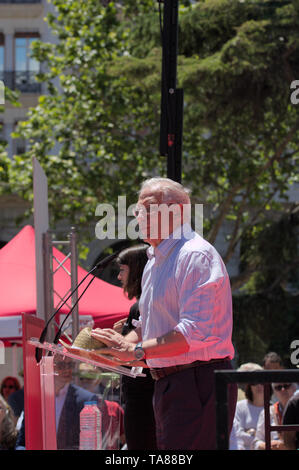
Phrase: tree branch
(223,211)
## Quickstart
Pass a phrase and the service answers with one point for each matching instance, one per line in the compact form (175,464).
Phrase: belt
(164,371)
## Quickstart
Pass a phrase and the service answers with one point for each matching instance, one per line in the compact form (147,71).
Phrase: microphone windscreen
(107,260)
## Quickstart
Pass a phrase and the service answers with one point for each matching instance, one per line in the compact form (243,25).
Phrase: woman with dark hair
(139,420)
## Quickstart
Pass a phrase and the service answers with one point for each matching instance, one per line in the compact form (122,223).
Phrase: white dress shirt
(185,287)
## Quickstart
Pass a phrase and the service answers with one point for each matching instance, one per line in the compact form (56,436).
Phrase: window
(25,65)
(24,61)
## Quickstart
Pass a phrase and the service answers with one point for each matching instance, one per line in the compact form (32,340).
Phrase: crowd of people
(74,386)
(134,406)
(180,331)
(248,432)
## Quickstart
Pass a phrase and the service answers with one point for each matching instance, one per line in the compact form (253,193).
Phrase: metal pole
(267,397)
(41,225)
(74,281)
(171,122)
(48,281)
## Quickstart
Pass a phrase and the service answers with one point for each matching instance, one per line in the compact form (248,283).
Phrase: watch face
(139,353)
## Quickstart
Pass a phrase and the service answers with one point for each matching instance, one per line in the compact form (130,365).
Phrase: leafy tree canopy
(96,132)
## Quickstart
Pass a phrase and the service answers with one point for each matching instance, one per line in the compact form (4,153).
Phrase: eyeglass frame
(278,388)
(151,210)
(9,386)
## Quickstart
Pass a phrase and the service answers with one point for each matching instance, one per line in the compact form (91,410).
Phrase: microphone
(100,265)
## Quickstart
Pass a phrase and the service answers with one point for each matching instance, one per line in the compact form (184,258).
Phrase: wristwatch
(139,352)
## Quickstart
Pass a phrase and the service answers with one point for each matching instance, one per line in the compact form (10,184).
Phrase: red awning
(104,302)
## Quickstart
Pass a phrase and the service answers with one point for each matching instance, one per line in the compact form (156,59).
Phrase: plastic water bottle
(90,427)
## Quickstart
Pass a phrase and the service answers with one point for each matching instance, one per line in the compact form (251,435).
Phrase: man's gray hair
(167,190)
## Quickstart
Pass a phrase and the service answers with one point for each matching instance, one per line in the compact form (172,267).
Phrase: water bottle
(90,427)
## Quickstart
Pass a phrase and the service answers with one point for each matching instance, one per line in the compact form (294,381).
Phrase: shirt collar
(161,251)
(63,391)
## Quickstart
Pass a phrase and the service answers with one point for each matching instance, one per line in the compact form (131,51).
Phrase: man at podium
(186,320)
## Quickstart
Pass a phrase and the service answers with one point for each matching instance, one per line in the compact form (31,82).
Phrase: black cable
(58,334)
(100,265)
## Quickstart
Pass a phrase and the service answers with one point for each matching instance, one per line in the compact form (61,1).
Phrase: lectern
(56,388)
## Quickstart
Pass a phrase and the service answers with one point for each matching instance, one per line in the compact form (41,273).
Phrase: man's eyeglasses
(9,386)
(142,211)
(278,388)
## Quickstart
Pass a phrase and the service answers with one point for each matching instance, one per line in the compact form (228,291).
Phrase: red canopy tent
(102,301)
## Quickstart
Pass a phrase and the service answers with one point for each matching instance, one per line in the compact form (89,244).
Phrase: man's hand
(117,346)
(118,326)
(277,445)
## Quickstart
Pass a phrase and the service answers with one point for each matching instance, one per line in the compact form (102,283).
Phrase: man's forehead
(148,196)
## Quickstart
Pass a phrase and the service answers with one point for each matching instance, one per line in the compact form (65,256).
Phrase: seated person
(283,392)
(8,433)
(291,416)
(247,413)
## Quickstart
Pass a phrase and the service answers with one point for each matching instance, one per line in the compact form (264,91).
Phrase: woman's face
(257,390)
(123,274)
(8,388)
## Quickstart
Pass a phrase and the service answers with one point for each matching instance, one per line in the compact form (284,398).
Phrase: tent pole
(74,281)
(48,281)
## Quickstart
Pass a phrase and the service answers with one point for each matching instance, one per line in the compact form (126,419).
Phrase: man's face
(272,365)
(284,391)
(156,220)
(64,371)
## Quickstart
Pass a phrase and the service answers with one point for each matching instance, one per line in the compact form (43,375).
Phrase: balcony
(25,82)
(21,9)
(20,1)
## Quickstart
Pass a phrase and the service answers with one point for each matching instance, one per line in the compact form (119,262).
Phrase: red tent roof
(105,302)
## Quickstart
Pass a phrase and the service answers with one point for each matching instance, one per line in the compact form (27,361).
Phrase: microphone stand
(58,334)
(100,265)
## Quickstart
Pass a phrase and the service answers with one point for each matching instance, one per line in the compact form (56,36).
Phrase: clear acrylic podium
(57,388)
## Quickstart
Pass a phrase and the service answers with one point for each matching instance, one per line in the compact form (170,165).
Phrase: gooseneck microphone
(100,265)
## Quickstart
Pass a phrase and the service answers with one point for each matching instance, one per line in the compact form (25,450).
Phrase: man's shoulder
(291,411)
(83,394)
(294,401)
(197,247)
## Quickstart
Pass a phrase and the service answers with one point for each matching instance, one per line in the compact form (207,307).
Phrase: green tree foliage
(5,163)
(236,64)
(91,132)
(266,312)
(96,132)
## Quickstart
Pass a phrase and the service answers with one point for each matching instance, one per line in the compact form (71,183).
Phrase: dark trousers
(139,419)
(139,423)
(185,408)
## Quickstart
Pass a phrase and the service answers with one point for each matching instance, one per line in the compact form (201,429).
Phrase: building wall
(18,18)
